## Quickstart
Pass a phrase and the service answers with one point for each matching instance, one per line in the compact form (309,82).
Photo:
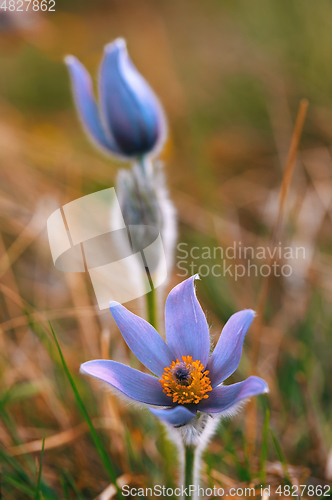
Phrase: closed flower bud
(147,208)
(129,121)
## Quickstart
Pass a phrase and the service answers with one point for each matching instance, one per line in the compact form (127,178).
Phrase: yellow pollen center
(186,381)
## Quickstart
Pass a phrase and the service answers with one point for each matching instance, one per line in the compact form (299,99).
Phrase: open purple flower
(130,121)
(187,380)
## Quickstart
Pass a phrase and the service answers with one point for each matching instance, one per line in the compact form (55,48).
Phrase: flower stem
(189,458)
(152,308)
(143,164)
(151,303)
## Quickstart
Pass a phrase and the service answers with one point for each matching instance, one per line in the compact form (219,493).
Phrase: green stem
(189,458)
(152,308)
(150,296)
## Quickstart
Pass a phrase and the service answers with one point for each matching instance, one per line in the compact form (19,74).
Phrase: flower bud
(129,121)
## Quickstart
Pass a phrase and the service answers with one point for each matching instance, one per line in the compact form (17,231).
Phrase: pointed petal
(225,397)
(129,106)
(134,384)
(187,330)
(174,416)
(227,353)
(144,341)
(87,107)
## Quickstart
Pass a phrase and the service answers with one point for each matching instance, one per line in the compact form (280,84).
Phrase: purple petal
(134,384)
(174,416)
(143,340)
(87,107)
(227,353)
(225,397)
(129,106)
(187,331)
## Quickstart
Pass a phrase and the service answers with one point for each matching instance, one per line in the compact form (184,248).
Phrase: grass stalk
(284,189)
(103,455)
(264,448)
(37,493)
(281,457)
(251,414)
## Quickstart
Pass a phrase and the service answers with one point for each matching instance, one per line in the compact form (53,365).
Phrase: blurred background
(230,76)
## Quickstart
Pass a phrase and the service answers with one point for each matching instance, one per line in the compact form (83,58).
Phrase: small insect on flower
(129,121)
(187,380)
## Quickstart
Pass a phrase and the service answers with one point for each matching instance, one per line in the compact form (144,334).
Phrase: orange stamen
(190,386)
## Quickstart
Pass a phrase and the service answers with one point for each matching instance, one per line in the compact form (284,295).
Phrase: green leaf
(103,455)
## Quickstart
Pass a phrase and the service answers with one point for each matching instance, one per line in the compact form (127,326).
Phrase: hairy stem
(189,459)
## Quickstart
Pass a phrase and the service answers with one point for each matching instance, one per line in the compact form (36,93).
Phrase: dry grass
(231,94)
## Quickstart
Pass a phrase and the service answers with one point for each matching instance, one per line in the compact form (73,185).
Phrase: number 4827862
(21,5)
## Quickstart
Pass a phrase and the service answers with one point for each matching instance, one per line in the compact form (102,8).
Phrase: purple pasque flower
(129,121)
(187,380)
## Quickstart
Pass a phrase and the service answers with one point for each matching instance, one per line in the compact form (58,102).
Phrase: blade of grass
(10,424)
(19,485)
(264,447)
(242,471)
(42,335)
(73,485)
(103,455)
(15,465)
(281,457)
(230,450)
(37,493)
(26,484)
(64,489)
(247,470)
